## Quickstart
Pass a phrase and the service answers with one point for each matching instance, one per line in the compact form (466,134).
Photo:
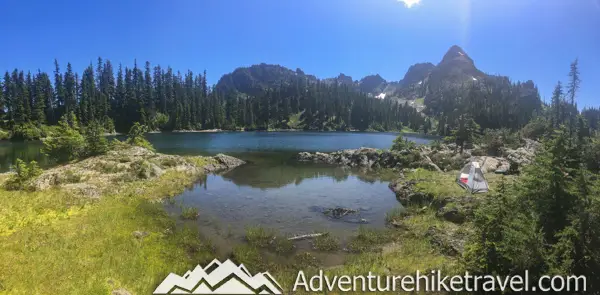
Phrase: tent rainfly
(471,179)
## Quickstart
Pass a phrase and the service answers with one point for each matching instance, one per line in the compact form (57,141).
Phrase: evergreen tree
(70,90)
(40,98)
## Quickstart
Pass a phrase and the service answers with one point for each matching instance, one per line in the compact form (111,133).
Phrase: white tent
(471,179)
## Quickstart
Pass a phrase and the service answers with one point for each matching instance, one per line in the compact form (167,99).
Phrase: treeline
(491,102)
(547,222)
(163,99)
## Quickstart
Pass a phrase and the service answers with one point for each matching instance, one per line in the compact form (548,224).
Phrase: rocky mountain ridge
(455,68)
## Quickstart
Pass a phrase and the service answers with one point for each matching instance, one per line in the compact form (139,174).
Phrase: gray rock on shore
(443,157)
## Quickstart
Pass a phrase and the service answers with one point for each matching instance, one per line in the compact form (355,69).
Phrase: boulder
(305,157)
(229,161)
(406,194)
(491,164)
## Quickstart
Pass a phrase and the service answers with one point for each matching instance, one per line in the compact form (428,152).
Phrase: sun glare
(410,3)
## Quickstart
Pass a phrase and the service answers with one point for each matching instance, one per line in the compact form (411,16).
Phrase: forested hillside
(453,93)
(167,100)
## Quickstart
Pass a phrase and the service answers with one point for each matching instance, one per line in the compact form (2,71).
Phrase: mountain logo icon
(219,278)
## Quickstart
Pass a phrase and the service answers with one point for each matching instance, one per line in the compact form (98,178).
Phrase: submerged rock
(339,212)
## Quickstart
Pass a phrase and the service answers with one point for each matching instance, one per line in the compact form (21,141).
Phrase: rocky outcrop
(223,162)
(94,176)
(491,164)
(456,209)
(523,155)
(407,195)
(441,157)
(369,158)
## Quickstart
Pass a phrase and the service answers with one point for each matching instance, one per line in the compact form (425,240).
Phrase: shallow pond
(273,189)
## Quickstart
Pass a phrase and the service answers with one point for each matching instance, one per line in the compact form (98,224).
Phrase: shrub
(436,145)
(4,134)
(26,131)
(495,139)
(536,128)
(258,236)
(190,213)
(144,169)
(376,127)
(65,144)
(24,173)
(160,121)
(109,125)
(282,245)
(401,143)
(95,142)
(136,136)
(326,242)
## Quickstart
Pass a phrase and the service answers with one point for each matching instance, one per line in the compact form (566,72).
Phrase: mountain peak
(456,53)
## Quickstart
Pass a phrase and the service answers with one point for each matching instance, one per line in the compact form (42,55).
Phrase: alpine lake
(273,189)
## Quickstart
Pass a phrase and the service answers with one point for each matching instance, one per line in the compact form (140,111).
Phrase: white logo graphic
(219,278)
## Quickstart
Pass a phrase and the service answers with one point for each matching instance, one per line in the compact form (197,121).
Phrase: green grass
(367,239)
(326,242)
(259,236)
(75,245)
(444,183)
(395,214)
(189,213)
(436,183)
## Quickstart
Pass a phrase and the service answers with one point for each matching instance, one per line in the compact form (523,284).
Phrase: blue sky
(523,39)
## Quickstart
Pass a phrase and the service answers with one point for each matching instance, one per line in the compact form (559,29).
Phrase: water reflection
(267,177)
(289,198)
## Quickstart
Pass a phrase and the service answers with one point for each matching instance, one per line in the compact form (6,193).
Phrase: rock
(523,155)
(448,242)
(304,156)
(339,212)
(456,209)
(139,234)
(406,194)
(95,176)
(229,161)
(323,158)
(452,215)
(491,164)
(120,291)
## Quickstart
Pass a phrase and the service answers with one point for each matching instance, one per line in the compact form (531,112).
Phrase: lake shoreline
(127,208)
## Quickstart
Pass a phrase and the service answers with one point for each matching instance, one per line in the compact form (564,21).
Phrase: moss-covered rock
(95,176)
